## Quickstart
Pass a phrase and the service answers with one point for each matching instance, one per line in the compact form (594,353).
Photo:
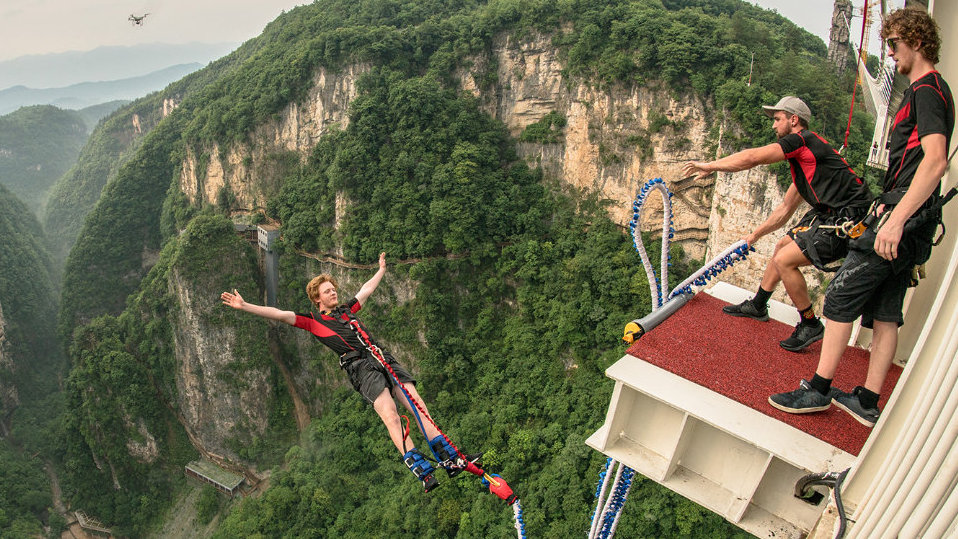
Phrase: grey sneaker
(747,309)
(804,335)
(803,400)
(853,405)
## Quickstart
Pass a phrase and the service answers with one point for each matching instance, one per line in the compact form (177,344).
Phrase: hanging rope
(668,232)
(858,76)
(605,518)
(665,303)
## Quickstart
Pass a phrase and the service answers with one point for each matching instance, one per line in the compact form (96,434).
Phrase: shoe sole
(799,410)
(857,417)
(743,315)
(804,346)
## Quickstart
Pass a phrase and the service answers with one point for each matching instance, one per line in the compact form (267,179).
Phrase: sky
(33,27)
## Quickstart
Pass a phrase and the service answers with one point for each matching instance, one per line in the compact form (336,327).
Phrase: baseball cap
(790,104)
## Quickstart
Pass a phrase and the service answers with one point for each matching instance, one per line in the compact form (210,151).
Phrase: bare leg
(771,277)
(385,406)
(833,346)
(431,431)
(787,259)
(884,344)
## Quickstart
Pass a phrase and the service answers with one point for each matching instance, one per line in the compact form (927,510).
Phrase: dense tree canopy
(37,145)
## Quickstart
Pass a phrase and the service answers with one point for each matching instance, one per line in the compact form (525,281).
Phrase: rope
(605,518)
(417,408)
(858,76)
(517,516)
(668,232)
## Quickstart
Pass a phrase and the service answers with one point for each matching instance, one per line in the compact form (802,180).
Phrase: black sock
(869,399)
(761,297)
(807,315)
(822,385)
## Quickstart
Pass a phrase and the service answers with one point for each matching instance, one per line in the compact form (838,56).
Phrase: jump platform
(690,411)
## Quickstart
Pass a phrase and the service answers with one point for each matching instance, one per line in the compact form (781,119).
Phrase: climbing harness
(611,494)
(664,303)
(446,453)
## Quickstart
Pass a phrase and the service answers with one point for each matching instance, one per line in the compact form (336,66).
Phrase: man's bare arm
(743,160)
(778,217)
(235,300)
(370,286)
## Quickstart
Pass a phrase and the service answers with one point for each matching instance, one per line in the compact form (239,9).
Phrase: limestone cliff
(219,397)
(615,139)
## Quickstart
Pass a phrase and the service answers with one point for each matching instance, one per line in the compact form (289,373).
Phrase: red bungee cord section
(858,77)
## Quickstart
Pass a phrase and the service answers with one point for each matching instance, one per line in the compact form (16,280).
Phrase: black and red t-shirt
(927,107)
(822,176)
(332,329)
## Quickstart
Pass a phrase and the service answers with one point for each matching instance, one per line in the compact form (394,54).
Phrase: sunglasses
(892,43)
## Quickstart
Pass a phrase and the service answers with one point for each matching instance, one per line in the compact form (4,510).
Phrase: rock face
(613,142)
(252,171)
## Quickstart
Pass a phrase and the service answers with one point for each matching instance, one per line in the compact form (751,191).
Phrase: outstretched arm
(235,300)
(370,286)
(743,160)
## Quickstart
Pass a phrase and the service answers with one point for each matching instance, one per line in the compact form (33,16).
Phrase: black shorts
(370,378)
(867,285)
(826,243)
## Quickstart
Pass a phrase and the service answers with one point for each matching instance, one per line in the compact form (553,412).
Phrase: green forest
(31,364)
(38,144)
(507,289)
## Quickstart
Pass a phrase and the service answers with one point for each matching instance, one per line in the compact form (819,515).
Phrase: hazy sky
(46,26)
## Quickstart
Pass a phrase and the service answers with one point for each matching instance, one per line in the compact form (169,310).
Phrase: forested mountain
(31,367)
(507,286)
(37,145)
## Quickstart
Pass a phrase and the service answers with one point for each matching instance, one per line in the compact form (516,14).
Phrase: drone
(137,20)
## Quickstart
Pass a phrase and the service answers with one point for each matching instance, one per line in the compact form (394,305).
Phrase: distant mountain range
(86,94)
(104,63)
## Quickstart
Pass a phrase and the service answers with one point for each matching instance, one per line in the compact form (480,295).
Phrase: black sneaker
(853,405)
(804,335)
(747,309)
(803,400)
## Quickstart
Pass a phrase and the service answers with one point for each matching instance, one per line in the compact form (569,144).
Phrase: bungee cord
(605,518)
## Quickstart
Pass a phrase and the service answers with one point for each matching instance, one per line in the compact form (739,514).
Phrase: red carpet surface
(740,358)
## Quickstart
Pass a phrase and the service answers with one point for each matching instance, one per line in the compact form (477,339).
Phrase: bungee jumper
(379,378)
(338,328)
(823,179)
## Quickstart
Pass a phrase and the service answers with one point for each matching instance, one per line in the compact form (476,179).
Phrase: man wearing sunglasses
(872,281)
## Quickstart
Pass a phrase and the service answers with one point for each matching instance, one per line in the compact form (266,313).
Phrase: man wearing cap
(820,177)
(874,277)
